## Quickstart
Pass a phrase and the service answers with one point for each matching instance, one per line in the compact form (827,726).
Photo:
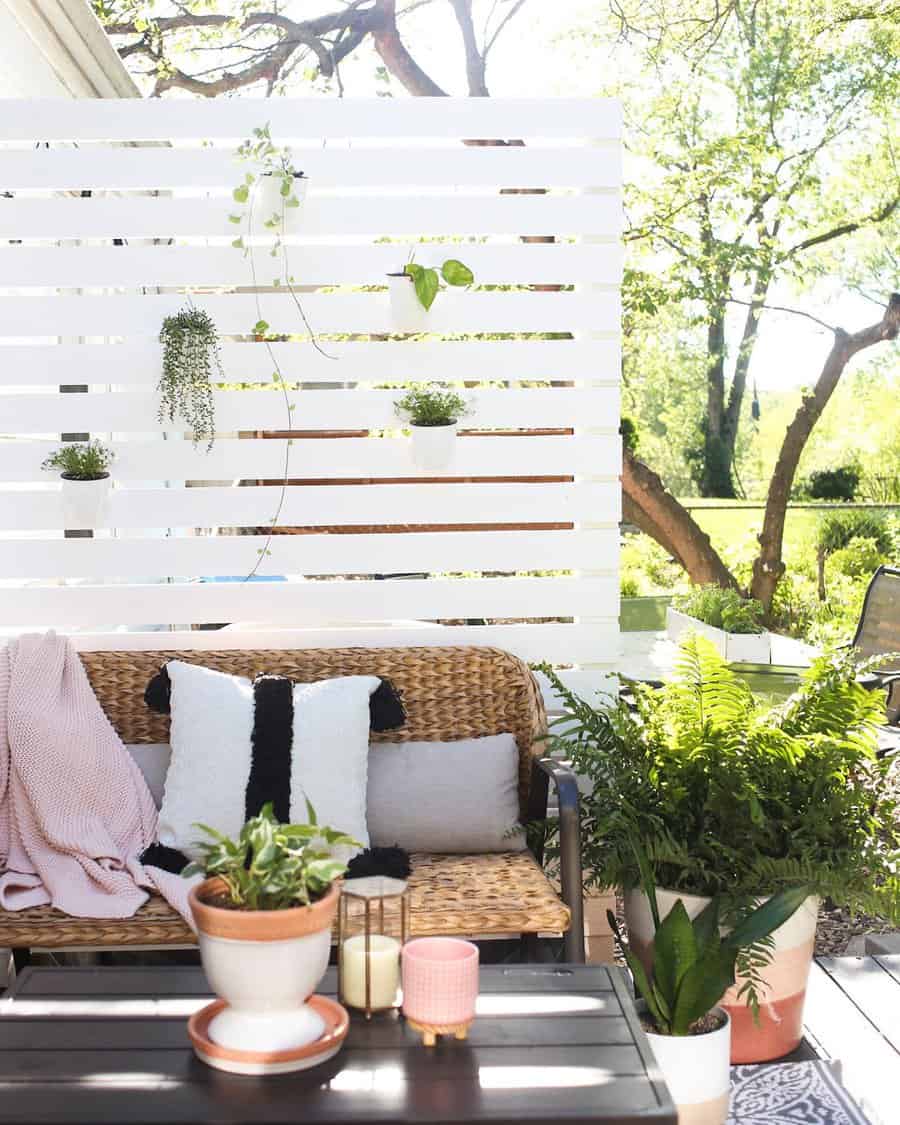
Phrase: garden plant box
(736,648)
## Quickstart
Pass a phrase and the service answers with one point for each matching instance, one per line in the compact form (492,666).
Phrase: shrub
(628,586)
(834,484)
(431,405)
(837,529)
(723,609)
(861,557)
(80,461)
(629,431)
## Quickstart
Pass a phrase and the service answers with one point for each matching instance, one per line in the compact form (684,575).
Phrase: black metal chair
(878,632)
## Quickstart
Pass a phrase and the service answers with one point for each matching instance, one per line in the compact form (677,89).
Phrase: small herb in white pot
(431,405)
(80,461)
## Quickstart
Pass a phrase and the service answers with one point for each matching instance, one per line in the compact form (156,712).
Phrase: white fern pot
(780,1026)
(736,648)
(697,1071)
(268,201)
(85,503)
(407,312)
(433,447)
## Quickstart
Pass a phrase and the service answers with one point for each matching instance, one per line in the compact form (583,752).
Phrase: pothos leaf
(426,284)
(456,272)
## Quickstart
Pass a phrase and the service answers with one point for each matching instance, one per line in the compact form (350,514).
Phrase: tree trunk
(714,478)
(648,504)
(820,573)
(769,567)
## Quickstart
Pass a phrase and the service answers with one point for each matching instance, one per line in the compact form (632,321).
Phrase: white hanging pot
(268,201)
(434,447)
(85,502)
(407,312)
(697,1071)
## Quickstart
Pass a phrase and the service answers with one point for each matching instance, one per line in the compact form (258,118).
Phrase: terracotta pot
(434,447)
(407,311)
(697,1071)
(265,964)
(780,1026)
(85,502)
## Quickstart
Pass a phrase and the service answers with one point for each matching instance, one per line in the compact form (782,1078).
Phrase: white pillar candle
(384,971)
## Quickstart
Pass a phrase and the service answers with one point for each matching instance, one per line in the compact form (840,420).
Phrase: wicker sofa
(448,693)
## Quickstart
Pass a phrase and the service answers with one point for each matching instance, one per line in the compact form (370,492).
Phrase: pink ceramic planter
(440,981)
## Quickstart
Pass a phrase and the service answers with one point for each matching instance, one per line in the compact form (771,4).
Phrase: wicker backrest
(449,693)
(879,625)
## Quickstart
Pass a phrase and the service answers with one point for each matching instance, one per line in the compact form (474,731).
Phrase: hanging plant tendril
(191,364)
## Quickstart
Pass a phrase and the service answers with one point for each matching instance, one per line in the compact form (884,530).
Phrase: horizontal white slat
(138,361)
(316,458)
(317,505)
(325,601)
(530,263)
(236,555)
(166,217)
(136,411)
(556,643)
(53,119)
(67,169)
(236,314)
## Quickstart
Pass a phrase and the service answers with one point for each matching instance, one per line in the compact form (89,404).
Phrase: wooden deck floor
(853,1016)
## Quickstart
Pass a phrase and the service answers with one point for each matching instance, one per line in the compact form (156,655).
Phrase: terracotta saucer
(327,1046)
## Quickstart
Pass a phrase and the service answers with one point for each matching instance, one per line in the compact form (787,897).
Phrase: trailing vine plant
(265,158)
(191,364)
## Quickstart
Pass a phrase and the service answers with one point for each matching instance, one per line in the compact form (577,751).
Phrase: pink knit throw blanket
(75,811)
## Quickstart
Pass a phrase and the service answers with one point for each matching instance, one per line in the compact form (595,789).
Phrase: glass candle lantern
(373,924)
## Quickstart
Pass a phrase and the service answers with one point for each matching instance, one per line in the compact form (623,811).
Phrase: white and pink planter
(780,1026)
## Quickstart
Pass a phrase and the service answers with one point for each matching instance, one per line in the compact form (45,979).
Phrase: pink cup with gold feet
(440,986)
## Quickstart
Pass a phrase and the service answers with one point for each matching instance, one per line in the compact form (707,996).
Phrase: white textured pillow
(446,796)
(236,743)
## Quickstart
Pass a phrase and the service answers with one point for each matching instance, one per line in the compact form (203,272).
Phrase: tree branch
(395,56)
(844,228)
(474,59)
(784,308)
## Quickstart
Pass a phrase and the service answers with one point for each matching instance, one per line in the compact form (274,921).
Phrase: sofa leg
(21,957)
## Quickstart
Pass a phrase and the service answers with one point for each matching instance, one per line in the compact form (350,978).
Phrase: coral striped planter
(780,1026)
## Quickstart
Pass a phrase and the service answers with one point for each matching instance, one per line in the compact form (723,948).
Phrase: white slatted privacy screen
(112,211)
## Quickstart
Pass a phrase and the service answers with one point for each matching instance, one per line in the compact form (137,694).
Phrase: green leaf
(235,218)
(674,951)
(706,928)
(766,918)
(241,194)
(641,981)
(456,273)
(260,328)
(427,284)
(701,988)
(292,201)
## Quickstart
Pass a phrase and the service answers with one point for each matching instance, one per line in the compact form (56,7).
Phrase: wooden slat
(136,411)
(891,965)
(67,169)
(315,458)
(558,643)
(872,989)
(165,217)
(111,119)
(141,558)
(561,263)
(325,601)
(236,314)
(139,361)
(318,506)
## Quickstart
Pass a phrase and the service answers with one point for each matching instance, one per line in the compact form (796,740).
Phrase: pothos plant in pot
(433,413)
(413,289)
(84,471)
(264,914)
(277,186)
(681,985)
(736,799)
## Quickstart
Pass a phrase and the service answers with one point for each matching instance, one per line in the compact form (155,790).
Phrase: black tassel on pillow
(158,693)
(386,710)
(168,859)
(392,862)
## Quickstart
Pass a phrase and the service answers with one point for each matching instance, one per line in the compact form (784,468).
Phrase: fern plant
(191,364)
(734,800)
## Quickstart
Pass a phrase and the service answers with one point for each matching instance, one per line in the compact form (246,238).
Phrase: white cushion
(212,723)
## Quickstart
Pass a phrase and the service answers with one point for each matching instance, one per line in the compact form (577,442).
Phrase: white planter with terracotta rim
(265,964)
(697,1071)
(85,502)
(407,312)
(268,201)
(433,447)
(780,1026)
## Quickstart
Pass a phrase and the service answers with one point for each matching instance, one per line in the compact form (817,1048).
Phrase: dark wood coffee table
(550,1044)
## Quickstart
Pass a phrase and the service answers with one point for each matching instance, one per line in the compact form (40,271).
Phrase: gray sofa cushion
(445,796)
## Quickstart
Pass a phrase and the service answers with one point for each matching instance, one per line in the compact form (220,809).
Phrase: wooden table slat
(872,989)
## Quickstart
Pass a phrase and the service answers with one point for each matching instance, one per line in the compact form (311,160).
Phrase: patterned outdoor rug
(803,1093)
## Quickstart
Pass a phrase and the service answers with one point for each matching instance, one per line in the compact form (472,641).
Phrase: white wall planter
(434,447)
(407,312)
(736,648)
(697,1071)
(268,201)
(780,1026)
(85,503)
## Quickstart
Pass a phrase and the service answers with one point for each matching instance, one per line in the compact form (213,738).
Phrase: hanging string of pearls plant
(191,363)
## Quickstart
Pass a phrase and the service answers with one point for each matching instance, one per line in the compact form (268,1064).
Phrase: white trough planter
(736,648)
(85,503)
